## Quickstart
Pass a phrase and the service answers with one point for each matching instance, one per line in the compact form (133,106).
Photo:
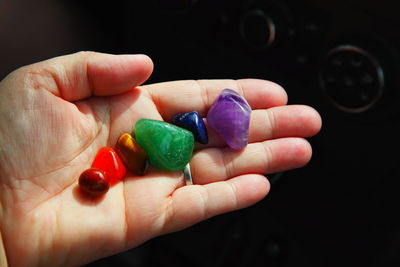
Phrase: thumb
(83,74)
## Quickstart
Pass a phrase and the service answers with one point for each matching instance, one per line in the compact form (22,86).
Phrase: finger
(184,96)
(191,204)
(218,164)
(81,75)
(276,122)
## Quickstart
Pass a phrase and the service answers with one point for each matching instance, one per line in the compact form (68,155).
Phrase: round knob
(353,78)
(257,29)
(266,25)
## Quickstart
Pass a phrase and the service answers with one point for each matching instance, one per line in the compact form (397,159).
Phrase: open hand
(56,114)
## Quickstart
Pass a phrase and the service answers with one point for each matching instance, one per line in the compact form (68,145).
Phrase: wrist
(3,257)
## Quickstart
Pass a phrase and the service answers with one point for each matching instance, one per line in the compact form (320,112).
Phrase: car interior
(339,56)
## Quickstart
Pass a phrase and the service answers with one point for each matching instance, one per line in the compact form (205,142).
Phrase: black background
(342,208)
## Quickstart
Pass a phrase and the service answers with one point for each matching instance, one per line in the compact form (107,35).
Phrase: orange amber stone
(132,154)
(94,182)
(108,160)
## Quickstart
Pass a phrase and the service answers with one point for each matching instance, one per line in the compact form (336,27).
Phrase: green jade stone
(167,146)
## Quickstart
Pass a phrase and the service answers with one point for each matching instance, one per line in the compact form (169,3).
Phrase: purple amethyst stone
(229,116)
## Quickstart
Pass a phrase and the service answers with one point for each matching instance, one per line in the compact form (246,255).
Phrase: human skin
(56,114)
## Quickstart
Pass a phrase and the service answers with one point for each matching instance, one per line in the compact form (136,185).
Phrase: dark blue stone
(193,122)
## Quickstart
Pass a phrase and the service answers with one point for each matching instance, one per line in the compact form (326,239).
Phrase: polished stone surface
(193,122)
(109,161)
(168,147)
(94,182)
(229,116)
(132,154)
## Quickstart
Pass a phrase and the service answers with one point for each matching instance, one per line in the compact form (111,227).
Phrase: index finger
(184,96)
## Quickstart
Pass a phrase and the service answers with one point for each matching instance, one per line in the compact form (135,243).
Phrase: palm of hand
(52,140)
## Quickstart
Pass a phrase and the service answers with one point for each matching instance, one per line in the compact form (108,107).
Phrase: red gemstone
(108,160)
(94,182)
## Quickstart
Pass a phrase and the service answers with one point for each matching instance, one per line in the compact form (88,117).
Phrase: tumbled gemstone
(193,122)
(229,116)
(134,156)
(94,182)
(168,147)
(108,160)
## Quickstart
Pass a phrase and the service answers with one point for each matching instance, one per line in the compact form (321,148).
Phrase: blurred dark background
(341,57)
